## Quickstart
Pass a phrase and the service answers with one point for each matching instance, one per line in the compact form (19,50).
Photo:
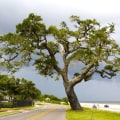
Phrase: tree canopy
(52,50)
(15,88)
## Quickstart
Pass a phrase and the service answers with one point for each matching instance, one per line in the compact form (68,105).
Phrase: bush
(65,99)
(6,105)
(1,96)
(55,102)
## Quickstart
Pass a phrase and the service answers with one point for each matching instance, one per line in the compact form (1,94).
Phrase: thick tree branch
(80,77)
(53,57)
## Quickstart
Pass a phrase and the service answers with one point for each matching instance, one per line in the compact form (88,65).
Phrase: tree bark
(72,98)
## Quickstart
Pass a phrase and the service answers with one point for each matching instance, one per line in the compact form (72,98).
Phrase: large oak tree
(53,50)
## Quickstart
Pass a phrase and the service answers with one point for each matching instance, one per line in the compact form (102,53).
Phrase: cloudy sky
(53,12)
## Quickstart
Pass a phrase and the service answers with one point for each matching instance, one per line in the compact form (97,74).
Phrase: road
(48,112)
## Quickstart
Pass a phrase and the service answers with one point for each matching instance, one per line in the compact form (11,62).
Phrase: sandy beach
(110,107)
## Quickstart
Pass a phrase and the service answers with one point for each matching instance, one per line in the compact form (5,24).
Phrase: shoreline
(113,107)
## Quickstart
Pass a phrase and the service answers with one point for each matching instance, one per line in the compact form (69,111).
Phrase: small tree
(53,50)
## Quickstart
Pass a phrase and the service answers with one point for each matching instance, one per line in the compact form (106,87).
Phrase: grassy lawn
(90,114)
(7,111)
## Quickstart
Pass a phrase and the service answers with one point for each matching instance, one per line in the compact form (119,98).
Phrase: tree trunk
(72,98)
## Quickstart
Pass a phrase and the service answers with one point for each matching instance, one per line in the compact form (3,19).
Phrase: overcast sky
(13,12)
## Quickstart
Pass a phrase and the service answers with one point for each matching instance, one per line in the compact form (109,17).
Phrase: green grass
(8,111)
(90,114)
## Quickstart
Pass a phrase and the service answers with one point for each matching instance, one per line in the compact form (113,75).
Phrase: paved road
(48,112)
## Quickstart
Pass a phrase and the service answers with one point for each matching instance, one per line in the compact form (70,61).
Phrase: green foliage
(30,26)
(16,88)
(6,105)
(45,65)
(52,30)
(65,99)
(33,42)
(51,97)
(1,96)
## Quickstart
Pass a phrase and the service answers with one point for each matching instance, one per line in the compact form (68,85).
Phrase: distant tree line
(20,89)
(53,99)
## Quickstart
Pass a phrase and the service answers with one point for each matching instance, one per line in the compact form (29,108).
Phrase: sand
(101,106)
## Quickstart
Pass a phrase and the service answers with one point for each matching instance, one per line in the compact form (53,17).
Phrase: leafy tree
(9,86)
(53,50)
(18,88)
(3,85)
(28,90)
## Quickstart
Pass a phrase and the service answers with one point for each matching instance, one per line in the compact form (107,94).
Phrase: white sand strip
(101,106)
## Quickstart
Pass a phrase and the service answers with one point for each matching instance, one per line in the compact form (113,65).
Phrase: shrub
(6,105)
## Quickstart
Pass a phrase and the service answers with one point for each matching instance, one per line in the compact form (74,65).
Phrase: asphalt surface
(48,112)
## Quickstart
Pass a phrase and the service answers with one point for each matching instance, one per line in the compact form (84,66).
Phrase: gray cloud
(45,84)
(98,91)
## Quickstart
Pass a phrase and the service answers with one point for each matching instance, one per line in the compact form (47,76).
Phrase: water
(102,102)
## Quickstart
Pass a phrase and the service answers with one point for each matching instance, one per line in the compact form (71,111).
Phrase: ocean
(102,102)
